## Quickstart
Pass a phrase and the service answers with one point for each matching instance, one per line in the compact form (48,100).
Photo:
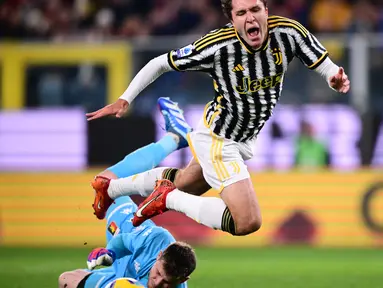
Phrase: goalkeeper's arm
(119,244)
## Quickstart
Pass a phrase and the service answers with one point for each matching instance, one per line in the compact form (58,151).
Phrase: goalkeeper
(147,253)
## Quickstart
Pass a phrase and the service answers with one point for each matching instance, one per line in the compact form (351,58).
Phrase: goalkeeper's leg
(143,159)
(151,155)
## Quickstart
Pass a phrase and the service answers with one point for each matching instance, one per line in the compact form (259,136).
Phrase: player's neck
(252,49)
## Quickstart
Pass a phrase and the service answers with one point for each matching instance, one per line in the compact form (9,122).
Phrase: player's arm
(121,245)
(189,58)
(125,244)
(193,57)
(118,247)
(149,73)
(336,78)
(315,56)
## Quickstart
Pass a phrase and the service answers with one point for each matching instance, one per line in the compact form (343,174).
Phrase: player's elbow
(72,279)
(63,280)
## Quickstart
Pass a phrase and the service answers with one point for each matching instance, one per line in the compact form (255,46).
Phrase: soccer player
(147,253)
(247,60)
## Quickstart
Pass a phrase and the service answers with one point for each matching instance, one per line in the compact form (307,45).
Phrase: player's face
(249,18)
(158,277)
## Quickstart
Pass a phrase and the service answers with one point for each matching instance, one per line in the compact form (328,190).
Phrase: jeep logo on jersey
(252,86)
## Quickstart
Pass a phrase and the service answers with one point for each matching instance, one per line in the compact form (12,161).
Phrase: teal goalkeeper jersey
(136,248)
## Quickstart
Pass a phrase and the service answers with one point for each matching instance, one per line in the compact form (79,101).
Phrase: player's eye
(240,13)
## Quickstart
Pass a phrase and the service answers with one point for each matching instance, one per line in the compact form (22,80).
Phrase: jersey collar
(250,49)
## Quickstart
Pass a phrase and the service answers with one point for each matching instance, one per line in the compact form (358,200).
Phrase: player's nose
(250,20)
(250,17)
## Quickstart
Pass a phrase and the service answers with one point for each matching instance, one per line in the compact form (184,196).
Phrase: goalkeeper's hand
(100,257)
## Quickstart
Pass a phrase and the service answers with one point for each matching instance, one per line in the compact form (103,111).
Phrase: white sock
(142,184)
(205,210)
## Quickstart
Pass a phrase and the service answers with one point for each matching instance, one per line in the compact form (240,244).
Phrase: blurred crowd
(55,19)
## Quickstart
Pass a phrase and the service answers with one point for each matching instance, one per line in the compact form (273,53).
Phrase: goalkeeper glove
(100,257)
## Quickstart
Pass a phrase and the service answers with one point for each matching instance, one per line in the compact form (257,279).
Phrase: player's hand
(117,109)
(340,81)
(100,257)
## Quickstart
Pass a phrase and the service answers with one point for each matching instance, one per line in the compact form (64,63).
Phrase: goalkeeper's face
(249,18)
(159,279)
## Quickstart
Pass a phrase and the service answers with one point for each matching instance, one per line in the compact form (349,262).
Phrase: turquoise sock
(145,158)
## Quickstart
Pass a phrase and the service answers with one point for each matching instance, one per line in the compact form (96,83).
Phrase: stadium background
(323,219)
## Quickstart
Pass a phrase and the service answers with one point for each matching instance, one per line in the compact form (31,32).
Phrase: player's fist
(340,82)
(100,257)
(117,109)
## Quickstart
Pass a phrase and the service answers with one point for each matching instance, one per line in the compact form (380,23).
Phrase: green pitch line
(217,268)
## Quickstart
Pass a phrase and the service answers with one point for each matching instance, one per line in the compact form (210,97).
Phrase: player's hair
(227,6)
(179,260)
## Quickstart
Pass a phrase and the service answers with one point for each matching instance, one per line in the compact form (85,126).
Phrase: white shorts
(221,159)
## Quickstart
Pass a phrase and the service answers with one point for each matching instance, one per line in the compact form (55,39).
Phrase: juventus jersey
(247,82)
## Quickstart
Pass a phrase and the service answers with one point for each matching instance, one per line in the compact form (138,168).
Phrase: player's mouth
(253,33)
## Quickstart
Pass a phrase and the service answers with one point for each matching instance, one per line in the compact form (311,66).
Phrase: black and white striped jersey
(247,82)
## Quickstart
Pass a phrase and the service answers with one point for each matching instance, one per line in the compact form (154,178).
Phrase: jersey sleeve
(132,241)
(189,58)
(308,49)
(199,56)
(121,244)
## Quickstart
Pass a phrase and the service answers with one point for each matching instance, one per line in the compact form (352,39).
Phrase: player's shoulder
(153,239)
(153,233)
(216,37)
(280,23)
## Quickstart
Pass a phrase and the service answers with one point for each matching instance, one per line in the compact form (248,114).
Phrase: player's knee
(241,225)
(248,226)
(179,180)
(192,185)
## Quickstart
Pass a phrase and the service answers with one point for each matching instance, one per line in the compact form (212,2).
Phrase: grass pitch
(292,267)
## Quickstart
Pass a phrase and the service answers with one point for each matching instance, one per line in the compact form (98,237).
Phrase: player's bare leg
(243,205)
(237,212)
(191,180)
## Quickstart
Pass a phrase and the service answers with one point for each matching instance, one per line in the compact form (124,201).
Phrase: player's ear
(159,255)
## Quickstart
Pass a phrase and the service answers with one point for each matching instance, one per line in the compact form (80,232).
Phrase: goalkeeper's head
(173,266)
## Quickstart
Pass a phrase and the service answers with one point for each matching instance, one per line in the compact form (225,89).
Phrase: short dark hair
(179,260)
(227,6)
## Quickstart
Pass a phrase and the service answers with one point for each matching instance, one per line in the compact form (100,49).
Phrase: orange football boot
(102,201)
(155,203)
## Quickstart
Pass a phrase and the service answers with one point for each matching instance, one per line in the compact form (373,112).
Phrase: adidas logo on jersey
(238,68)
